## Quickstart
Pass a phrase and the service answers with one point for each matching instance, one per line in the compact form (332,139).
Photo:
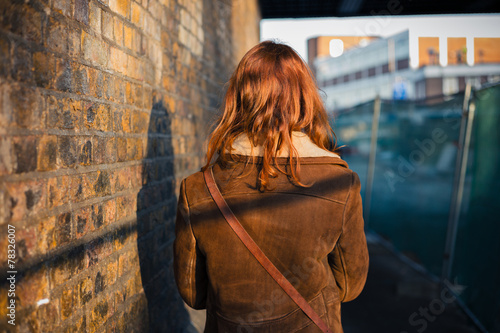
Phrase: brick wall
(104,108)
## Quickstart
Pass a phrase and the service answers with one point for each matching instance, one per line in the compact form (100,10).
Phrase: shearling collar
(305,147)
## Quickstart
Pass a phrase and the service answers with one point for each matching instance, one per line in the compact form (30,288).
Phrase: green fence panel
(414,169)
(476,263)
(417,146)
(415,161)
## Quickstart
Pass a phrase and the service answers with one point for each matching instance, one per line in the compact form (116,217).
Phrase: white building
(382,67)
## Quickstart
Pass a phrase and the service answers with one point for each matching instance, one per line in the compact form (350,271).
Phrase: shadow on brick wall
(156,207)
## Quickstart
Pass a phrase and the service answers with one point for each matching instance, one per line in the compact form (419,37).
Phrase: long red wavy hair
(271,94)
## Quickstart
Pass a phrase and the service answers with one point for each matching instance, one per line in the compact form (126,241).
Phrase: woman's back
(298,228)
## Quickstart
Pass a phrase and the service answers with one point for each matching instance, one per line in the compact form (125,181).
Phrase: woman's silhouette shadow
(156,208)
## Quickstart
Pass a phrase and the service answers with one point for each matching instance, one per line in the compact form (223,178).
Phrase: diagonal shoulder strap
(258,254)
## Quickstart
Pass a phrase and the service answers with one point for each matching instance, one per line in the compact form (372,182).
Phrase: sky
(295,32)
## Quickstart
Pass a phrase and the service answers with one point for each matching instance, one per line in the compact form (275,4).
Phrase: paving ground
(396,299)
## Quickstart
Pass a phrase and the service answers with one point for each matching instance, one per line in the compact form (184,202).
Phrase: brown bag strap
(258,254)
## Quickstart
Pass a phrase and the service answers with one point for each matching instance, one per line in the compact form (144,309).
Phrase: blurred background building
(354,69)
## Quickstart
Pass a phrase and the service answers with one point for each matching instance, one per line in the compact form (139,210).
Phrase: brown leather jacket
(314,235)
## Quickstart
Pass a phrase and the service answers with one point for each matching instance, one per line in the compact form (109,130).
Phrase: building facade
(382,67)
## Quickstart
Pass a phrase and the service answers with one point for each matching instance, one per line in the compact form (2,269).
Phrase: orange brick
(109,211)
(109,87)
(67,151)
(25,198)
(129,96)
(132,149)
(132,66)
(90,114)
(140,100)
(137,175)
(81,11)
(63,113)
(137,16)
(95,17)
(103,120)
(107,25)
(118,28)
(45,234)
(102,185)
(44,69)
(140,120)
(74,42)
(111,272)
(100,282)
(68,302)
(63,230)
(85,287)
(104,150)
(47,153)
(98,315)
(128,34)
(118,59)
(6,157)
(168,83)
(122,179)
(58,191)
(80,79)
(121,149)
(88,183)
(76,188)
(56,36)
(82,221)
(127,260)
(121,7)
(96,82)
(94,49)
(97,216)
(85,147)
(139,41)
(121,207)
(27,237)
(24,104)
